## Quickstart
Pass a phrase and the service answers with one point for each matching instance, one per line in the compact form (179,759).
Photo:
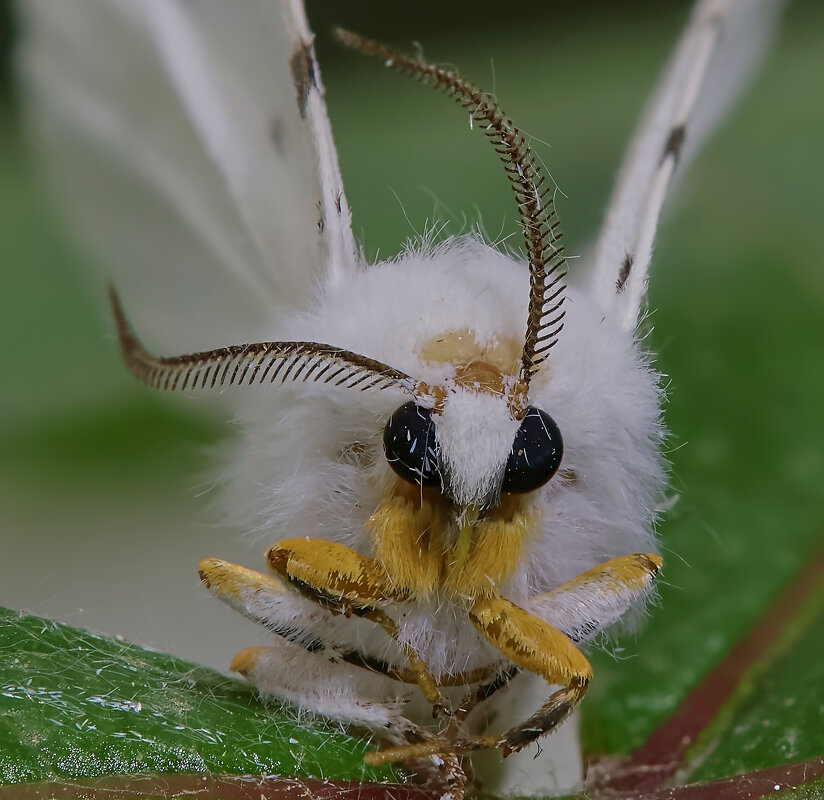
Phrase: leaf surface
(78,705)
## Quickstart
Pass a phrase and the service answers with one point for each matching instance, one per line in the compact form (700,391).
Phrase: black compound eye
(536,453)
(409,443)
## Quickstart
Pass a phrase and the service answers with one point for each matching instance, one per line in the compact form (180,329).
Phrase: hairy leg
(348,583)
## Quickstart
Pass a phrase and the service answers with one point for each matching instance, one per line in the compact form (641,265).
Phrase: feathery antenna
(536,208)
(247,364)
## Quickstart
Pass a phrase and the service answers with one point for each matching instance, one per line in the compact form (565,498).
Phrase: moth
(456,453)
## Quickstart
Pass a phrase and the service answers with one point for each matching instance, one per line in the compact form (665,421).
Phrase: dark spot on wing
(303,74)
(338,202)
(277,133)
(675,143)
(623,273)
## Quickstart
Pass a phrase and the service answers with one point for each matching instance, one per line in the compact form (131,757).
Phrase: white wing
(717,53)
(194,144)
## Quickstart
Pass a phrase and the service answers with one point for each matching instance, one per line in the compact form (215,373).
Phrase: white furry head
(475,431)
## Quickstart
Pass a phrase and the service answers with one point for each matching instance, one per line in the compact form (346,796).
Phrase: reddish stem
(204,786)
(750,786)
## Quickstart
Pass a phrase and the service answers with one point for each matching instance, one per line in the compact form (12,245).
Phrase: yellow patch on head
(462,348)
(414,541)
(492,368)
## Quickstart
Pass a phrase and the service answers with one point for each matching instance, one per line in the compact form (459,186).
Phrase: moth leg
(536,646)
(444,772)
(346,582)
(270,602)
(450,742)
(314,683)
(345,693)
(483,691)
(533,645)
(598,598)
(332,575)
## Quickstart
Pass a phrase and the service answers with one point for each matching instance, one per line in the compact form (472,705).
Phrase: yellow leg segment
(347,582)
(536,646)
(331,574)
(618,576)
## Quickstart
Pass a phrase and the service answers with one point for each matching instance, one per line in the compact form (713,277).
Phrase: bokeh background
(102,510)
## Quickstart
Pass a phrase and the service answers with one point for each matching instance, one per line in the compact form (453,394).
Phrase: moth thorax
(475,431)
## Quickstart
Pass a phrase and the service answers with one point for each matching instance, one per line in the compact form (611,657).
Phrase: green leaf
(775,714)
(78,705)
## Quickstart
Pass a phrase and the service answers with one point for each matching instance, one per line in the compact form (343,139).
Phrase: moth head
(474,435)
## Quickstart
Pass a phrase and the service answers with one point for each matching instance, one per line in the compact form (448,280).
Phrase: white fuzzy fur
(297,619)
(475,432)
(290,474)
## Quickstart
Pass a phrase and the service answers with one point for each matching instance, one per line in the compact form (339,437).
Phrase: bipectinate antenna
(257,363)
(536,207)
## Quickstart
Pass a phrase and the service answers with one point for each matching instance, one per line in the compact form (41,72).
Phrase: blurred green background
(101,515)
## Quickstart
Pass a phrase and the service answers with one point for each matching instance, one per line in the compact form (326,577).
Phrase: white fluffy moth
(455,453)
